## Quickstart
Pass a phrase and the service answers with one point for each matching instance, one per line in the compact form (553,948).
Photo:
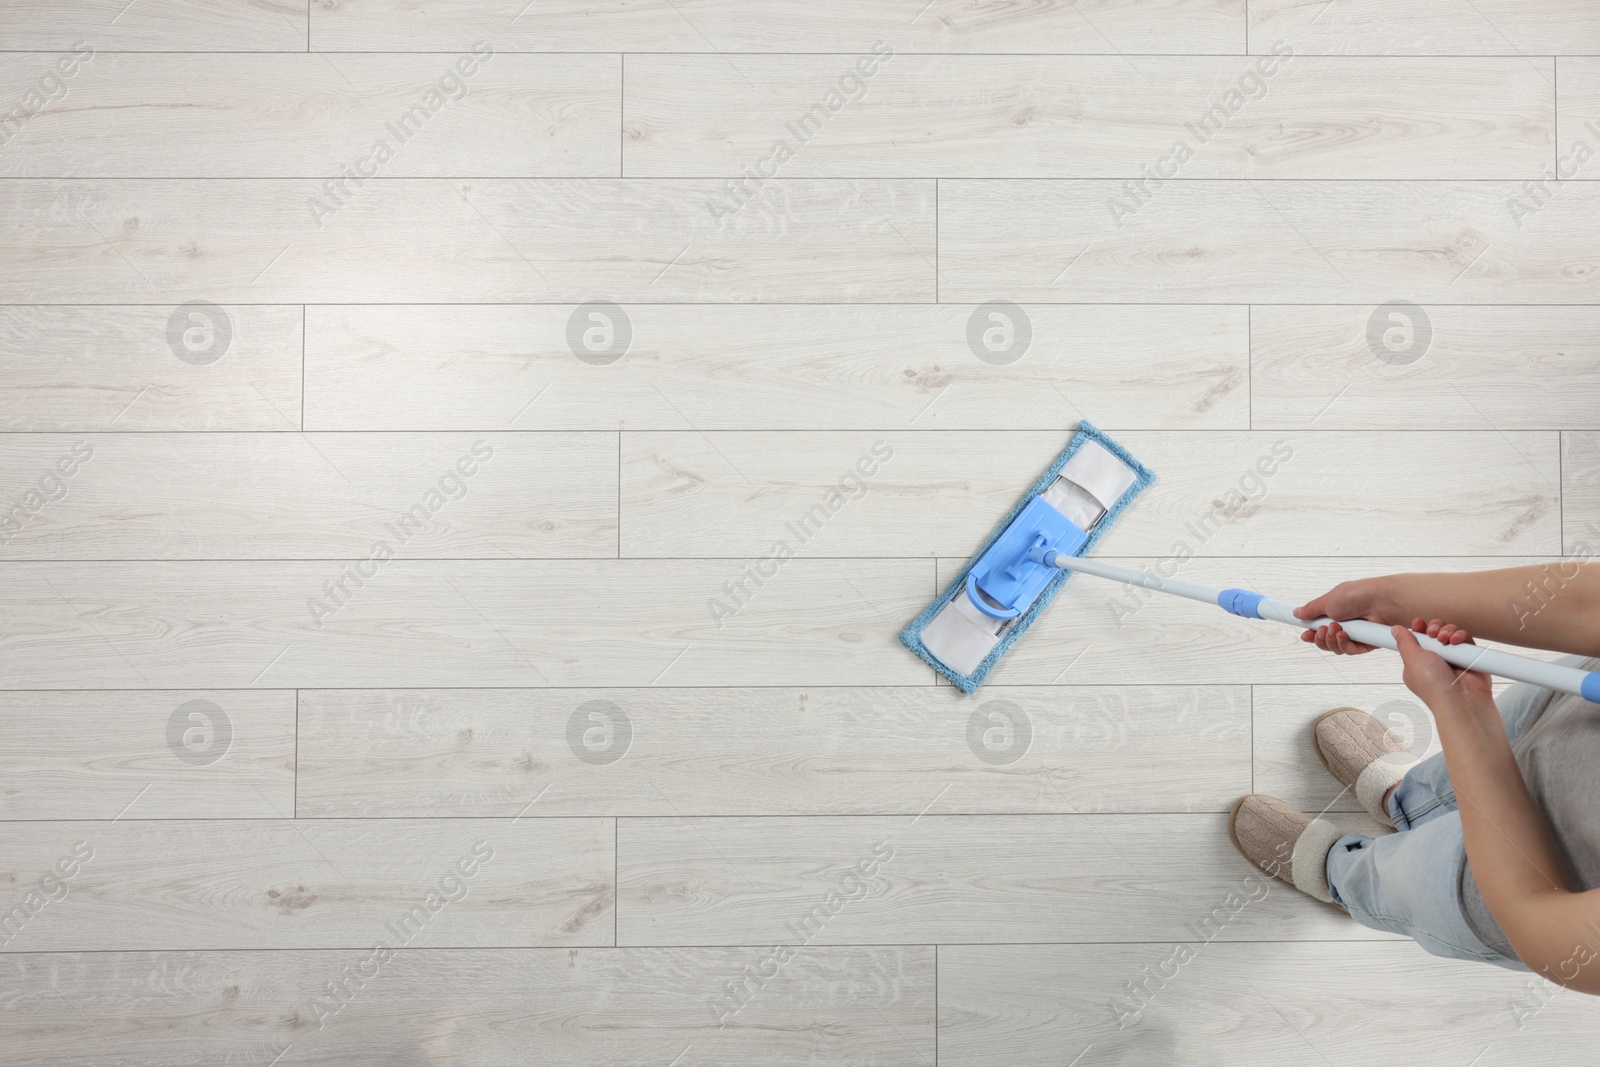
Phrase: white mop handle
(1251,605)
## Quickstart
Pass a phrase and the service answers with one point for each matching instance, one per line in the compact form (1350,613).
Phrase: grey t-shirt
(1558,752)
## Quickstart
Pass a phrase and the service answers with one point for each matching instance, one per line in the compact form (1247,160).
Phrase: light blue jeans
(1408,882)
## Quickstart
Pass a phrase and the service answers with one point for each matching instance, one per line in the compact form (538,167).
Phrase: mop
(1023,564)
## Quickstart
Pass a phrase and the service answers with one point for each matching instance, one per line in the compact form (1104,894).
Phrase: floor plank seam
(793,776)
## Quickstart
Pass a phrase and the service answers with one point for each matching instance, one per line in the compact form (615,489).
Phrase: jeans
(1409,882)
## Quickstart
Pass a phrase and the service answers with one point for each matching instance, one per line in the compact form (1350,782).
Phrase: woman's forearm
(1511,850)
(1512,853)
(1553,606)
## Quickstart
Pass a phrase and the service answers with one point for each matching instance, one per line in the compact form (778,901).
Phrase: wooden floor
(396,398)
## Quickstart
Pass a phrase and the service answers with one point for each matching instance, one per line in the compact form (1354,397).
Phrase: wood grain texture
(113,368)
(1223,493)
(1093,26)
(316,496)
(1578,84)
(730,367)
(468,623)
(1434,27)
(954,879)
(1285,757)
(1095,633)
(422,753)
(593,661)
(581,1007)
(1256,1005)
(1580,483)
(298,115)
(1303,242)
(1100,117)
(487,240)
(156,25)
(1443,367)
(281,883)
(141,755)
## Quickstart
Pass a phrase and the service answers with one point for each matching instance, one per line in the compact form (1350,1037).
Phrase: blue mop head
(1031,593)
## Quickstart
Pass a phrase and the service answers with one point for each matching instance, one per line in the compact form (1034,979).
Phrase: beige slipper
(1363,754)
(1279,839)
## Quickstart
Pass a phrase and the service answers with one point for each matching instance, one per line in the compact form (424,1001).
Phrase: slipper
(1366,756)
(1285,843)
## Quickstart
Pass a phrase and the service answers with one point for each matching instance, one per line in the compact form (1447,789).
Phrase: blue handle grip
(1241,602)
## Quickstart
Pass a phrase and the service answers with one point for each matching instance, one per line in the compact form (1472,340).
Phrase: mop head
(999,593)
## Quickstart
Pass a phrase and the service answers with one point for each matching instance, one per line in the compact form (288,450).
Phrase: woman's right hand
(1360,599)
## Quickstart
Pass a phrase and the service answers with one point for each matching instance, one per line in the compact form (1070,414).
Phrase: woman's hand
(1362,599)
(1433,678)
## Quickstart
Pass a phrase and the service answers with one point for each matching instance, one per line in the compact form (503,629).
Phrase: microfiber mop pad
(963,633)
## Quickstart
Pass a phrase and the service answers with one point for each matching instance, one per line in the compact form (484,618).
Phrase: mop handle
(1249,605)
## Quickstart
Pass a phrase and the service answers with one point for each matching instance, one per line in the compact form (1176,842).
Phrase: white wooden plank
(147,755)
(581,1007)
(951,879)
(279,883)
(1096,633)
(457,623)
(1433,27)
(1580,496)
(131,368)
(1578,88)
(433,752)
(1285,759)
(487,240)
(838,367)
(1305,242)
(298,115)
(311,496)
(1222,493)
(1098,117)
(156,25)
(773,746)
(1441,367)
(1091,26)
(1247,1005)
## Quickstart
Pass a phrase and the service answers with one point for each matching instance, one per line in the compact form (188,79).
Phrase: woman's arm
(1513,857)
(1554,606)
